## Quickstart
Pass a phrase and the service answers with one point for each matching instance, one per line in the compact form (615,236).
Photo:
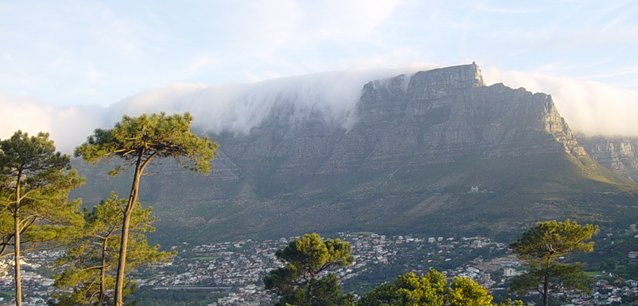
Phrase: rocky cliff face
(619,154)
(431,117)
(418,145)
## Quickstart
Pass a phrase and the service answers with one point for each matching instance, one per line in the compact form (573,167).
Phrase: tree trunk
(546,288)
(16,255)
(103,273)
(119,282)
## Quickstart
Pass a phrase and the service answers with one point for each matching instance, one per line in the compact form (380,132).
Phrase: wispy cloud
(73,53)
(484,7)
(589,107)
(68,126)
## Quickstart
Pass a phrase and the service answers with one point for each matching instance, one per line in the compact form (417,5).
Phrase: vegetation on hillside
(543,247)
(104,243)
(90,260)
(137,141)
(35,182)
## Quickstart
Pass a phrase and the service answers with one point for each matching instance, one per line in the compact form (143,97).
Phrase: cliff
(620,154)
(426,152)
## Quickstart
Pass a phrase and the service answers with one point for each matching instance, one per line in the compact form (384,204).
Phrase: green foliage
(429,289)
(409,289)
(137,141)
(90,260)
(542,246)
(559,275)
(35,182)
(143,138)
(509,302)
(299,282)
(552,239)
(464,291)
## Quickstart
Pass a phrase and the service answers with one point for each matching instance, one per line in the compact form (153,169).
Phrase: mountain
(619,154)
(436,151)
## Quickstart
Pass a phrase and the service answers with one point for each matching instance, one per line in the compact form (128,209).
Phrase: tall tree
(90,260)
(137,141)
(464,291)
(302,280)
(409,289)
(542,247)
(431,289)
(35,181)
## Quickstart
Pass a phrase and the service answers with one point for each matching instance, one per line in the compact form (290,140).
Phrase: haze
(70,67)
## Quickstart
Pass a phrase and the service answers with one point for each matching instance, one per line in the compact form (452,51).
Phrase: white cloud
(588,107)
(484,7)
(68,126)
(341,20)
(239,108)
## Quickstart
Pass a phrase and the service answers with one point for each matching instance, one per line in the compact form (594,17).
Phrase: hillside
(620,154)
(435,151)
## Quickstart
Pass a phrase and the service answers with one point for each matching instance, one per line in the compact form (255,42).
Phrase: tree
(409,289)
(304,279)
(430,289)
(464,291)
(542,247)
(35,181)
(137,141)
(91,259)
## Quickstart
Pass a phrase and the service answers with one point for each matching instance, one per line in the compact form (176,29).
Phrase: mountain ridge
(409,161)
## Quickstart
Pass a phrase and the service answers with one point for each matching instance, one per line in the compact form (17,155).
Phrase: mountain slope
(619,154)
(435,151)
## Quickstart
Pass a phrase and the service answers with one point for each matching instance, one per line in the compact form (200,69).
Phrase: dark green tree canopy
(304,280)
(33,158)
(552,239)
(90,260)
(311,255)
(542,248)
(151,136)
(35,181)
(137,141)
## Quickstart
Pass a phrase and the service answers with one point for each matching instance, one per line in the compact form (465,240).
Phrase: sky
(70,66)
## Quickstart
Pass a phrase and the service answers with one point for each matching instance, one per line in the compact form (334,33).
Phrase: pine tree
(301,281)
(137,141)
(35,181)
(90,260)
(430,289)
(542,246)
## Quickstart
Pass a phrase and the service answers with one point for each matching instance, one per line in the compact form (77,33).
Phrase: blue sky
(71,55)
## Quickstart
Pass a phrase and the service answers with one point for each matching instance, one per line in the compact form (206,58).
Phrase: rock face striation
(620,154)
(434,150)
(432,117)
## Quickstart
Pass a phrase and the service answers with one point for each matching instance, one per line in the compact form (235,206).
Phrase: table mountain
(436,151)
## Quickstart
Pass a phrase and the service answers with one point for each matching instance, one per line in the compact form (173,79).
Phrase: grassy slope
(435,198)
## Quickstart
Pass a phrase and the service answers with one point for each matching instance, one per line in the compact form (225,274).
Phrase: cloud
(590,108)
(345,20)
(236,108)
(239,108)
(500,10)
(67,126)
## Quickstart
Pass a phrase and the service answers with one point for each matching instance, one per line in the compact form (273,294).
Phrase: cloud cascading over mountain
(589,107)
